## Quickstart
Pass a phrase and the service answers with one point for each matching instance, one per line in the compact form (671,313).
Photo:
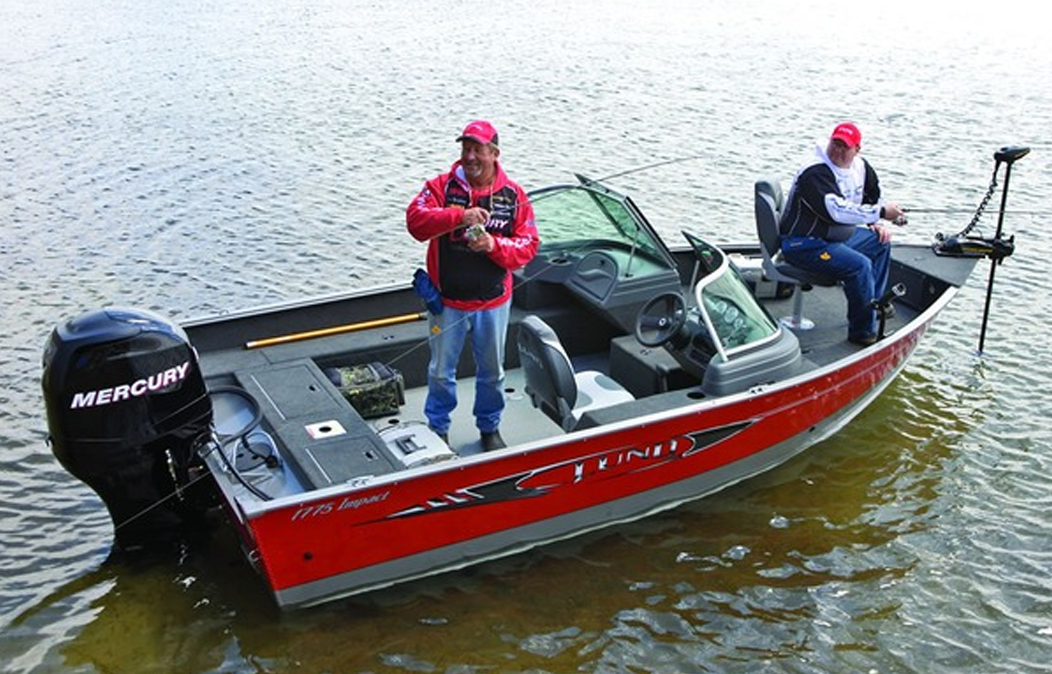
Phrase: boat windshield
(576,218)
(727,307)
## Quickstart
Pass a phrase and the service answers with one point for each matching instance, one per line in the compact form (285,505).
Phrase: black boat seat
(552,384)
(769,203)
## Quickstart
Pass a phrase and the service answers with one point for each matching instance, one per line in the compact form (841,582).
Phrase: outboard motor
(127,413)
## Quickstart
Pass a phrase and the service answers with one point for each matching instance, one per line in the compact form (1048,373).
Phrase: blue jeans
(861,264)
(489,331)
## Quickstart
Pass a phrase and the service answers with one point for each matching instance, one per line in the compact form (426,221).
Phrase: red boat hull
(346,541)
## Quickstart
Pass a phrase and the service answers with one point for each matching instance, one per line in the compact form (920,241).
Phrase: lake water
(201,157)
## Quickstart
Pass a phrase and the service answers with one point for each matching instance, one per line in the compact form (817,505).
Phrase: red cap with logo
(479,131)
(848,133)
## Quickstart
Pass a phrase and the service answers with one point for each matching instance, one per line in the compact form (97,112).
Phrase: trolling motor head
(1010,153)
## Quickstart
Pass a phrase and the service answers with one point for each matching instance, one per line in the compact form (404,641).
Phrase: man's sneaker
(492,441)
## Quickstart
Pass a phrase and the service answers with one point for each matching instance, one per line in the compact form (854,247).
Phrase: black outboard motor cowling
(127,412)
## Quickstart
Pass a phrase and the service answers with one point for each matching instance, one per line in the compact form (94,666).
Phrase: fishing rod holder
(883,303)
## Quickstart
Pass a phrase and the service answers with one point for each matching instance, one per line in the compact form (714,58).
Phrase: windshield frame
(602,217)
(724,283)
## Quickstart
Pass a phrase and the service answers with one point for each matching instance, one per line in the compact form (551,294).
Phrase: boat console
(600,253)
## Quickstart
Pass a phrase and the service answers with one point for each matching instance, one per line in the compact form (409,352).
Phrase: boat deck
(323,441)
(294,392)
(522,422)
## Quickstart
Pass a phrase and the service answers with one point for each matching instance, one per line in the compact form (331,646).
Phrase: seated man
(831,226)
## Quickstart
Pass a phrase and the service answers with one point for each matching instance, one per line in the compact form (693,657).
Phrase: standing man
(831,226)
(479,227)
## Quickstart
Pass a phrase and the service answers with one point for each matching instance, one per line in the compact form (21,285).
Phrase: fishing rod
(647,167)
(997,248)
(619,174)
(968,210)
(423,290)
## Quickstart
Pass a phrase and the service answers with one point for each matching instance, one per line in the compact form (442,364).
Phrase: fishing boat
(640,375)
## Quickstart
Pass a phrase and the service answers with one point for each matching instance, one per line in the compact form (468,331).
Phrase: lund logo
(139,387)
(606,465)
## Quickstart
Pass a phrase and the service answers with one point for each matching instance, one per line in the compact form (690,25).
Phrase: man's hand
(474,216)
(483,243)
(883,232)
(894,213)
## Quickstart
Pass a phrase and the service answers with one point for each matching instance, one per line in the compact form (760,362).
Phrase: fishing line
(176,492)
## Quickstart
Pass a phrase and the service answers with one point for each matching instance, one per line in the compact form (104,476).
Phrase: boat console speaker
(127,412)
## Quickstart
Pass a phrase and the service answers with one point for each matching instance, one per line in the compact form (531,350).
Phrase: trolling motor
(997,248)
(965,244)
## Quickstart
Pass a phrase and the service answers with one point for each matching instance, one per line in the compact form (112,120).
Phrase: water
(201,157)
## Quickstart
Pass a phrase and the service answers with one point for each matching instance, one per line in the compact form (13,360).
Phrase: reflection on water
(191,158)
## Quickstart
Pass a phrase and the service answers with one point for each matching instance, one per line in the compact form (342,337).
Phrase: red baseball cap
(848,133)
(479,131)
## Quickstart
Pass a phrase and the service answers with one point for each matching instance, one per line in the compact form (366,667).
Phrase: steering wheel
(660,319)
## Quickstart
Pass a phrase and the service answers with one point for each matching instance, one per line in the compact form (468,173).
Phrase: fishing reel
(474,232)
